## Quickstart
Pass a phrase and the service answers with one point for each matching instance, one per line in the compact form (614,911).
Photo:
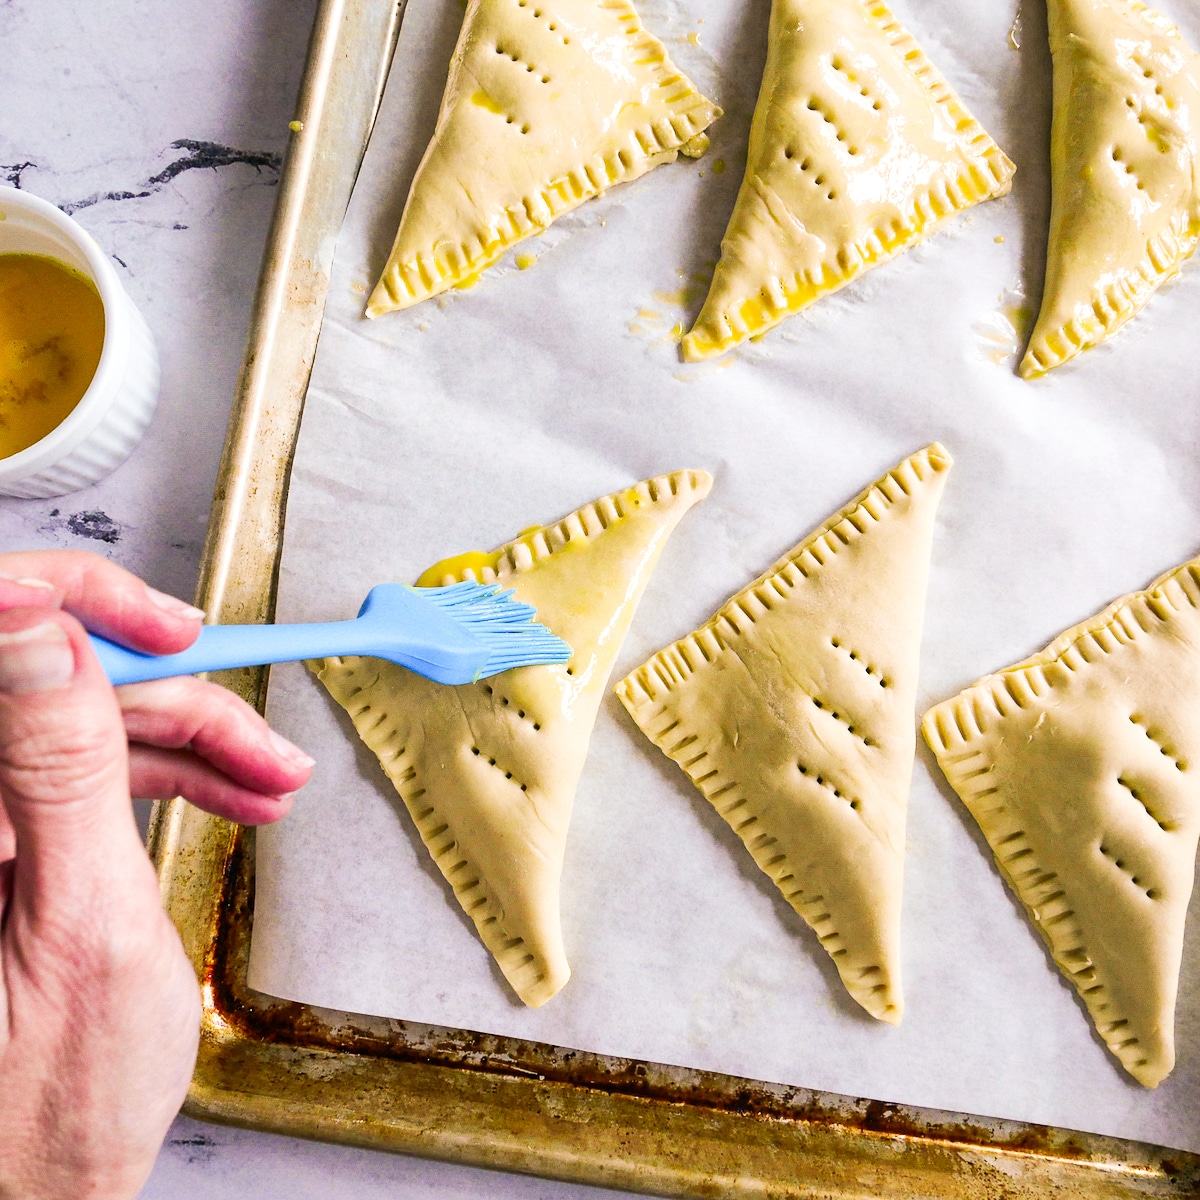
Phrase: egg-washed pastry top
(1080,766)
(858,149)
(548,103)
(791,709)
(488,770)
(1125,195)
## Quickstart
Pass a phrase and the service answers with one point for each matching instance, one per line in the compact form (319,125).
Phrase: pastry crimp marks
(1076,765)
(548,103)
(488,770)
(791,711)
(520,934)
(1125,209)
(858,148)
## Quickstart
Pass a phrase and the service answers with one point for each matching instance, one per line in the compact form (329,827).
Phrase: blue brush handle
(221,647)
(451,635)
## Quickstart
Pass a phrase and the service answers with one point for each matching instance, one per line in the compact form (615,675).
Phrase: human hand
(99,1007)
(186,737)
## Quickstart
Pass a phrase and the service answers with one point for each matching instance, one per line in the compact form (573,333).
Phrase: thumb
(64,775)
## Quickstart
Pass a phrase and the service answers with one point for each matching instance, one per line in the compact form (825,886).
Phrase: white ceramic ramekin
(110,419)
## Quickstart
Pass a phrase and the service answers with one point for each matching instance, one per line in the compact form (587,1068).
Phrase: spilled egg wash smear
(51,336)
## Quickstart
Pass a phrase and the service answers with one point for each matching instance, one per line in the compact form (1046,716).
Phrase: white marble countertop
(160,128)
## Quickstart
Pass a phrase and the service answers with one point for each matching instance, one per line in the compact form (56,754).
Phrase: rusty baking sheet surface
(502,1102)
(451,1093)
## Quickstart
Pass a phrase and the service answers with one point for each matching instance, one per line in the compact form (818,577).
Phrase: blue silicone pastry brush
(454,634)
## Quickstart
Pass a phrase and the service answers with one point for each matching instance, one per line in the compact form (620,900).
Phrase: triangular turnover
(488,771)
(548,103)
(858,149)
(1125,187)
(791,710)
(1080,765)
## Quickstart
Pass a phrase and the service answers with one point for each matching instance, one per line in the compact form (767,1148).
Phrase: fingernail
(41,585)
(38,659)
(293,754)
(177,608)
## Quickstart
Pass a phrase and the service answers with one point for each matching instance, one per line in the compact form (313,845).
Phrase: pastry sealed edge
(954,730)
(1115,301)
(681,130)
(534,977)
(669,670)
(989,177)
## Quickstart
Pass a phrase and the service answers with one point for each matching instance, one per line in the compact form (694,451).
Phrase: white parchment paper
(459,422)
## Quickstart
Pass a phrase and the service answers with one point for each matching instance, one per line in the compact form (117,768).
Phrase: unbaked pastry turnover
(1080,766)
(488,771)
(548,103)
(791,710)
(858,149)
(1125,194)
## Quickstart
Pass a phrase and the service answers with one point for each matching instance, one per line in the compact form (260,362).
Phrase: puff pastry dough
(488,770)
(791,710)
(858,149)
(548,103)
(1080,766)
(1125,196)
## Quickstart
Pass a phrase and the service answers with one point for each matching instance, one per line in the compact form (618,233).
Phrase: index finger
(17,591)
(105,598)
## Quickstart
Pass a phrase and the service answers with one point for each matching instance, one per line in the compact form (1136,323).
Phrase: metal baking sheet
(451,1093)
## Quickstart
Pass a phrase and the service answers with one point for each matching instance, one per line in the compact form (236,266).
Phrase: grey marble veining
(162,128)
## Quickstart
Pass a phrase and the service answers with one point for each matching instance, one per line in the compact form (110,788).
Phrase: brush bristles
(505,627)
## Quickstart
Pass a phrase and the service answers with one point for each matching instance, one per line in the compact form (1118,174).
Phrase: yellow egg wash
(454,568)
(51,335)
(482,100)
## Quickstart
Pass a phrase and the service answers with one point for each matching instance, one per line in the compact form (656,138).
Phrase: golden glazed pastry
(791,710)
(858,149)
(1079,765)
(488,771)
(1125,198)
(548,103)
